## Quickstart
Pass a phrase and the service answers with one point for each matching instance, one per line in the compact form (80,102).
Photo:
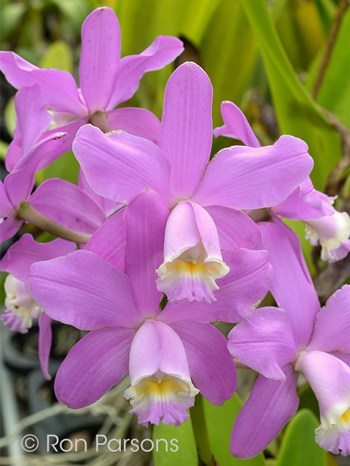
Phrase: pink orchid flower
(324,225)
(106,80)
(203,199)
(21,308)
(166,352)
(282,342)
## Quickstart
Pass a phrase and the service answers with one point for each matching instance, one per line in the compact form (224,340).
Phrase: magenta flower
(202,197)
(164,352)
(323,224)
(280,343)
(106,80)
(21,309)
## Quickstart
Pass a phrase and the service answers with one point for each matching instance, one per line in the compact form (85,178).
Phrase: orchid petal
(68,205)
(13,155)
(161,388)
(192,256)
(271,404)
(6,207)
(20,256)
(83,290)
(211,366)
(290,287)
(96,363)
(264,342)
(107,205)
(329,378)
(137,121)
(57,87)
(130,163)
(236,230)
(9,227)
(145,221)
(186,131)
(109,241)
(332,324)
(20,182)
(236,125)
(229,180)
(160,53)
(45,341)
(239,293)
(32,117)
(100,55)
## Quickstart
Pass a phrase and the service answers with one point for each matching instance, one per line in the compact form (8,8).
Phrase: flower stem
(332,37)
(28,213)
(200,432)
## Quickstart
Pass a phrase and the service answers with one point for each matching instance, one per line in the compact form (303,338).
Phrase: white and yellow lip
(19,301)
(161,398)
(330,231)
(192,255)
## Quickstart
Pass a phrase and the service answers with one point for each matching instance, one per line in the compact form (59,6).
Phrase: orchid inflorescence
(152,216)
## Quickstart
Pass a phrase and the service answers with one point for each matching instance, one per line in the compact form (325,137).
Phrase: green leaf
(58,55)
(3,149)
(140,27)
(220,420)
(298,445)
(10,116)
(228,52)
(10,16)
(75,11)
(296,112)
(180,442)
(308,400)
(65,167)
(334,94)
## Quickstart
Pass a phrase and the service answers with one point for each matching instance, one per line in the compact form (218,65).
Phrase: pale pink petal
(57,86)
(109,240)
(211,366)
(83,290)
(20,256)
(236,230)
(145,221)
(160,53)
(96,363)
(186,130)
(100,55)
(264,342)
(137,121)
(130,163)
(68,205)
(290,287)
(236,125)
(239,293)
(271,404)
(252,178)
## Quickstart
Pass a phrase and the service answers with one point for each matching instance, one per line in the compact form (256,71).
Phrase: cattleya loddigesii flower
(165,352)
(57,199)
(106,80)
(21,308)
(323,224)
(203,200)
(298,337)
